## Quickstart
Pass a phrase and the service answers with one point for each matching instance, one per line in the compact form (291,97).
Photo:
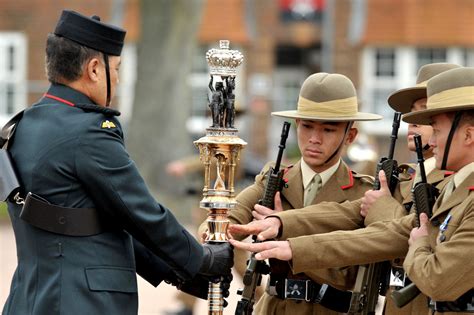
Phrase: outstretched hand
(371,196)
(273,249)
(260,212)
(264,229)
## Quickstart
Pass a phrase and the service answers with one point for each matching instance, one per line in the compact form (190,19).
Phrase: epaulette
(362,176)
(98,109)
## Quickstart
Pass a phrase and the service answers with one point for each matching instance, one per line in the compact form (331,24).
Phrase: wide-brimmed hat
(327,97)
(449,91)
(403,99)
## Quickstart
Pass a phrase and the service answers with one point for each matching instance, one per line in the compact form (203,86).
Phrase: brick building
(379,44)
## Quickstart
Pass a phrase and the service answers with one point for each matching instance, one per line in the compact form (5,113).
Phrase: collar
(307,173)
(463,173)
(66,95)
(430,165)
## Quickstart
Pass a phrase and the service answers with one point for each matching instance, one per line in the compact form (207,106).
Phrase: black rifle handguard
(424,197)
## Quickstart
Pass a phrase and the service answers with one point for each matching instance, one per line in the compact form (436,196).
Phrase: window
(468,57)
(429,55)
(12,74)
(387,69)
(385,62)
(128,76)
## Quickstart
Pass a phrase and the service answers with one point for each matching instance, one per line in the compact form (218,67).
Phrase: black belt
(60,220)
(311,292)
(463,304)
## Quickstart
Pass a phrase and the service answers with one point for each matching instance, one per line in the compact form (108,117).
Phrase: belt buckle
(296,289)
(398,277)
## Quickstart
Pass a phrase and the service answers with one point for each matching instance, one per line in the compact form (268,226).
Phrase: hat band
(422,84)
(451,98)
(343,107)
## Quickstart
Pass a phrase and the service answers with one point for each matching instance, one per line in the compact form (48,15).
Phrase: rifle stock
(424,197)
(372,279)
(255,268)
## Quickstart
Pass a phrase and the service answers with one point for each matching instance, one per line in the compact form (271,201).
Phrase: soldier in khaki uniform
(358,247)
(327,108)
(385,208)
(437,260)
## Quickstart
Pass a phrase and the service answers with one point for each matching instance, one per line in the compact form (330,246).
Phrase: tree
(157,132)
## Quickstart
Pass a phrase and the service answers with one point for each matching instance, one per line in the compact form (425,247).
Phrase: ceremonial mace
(220,150)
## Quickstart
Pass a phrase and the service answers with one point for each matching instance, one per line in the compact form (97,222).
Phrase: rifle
(255,268)
(424,197)
(372,279)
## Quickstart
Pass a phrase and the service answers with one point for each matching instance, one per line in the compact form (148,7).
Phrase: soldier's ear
(93,69)
(468,135)
(351,135)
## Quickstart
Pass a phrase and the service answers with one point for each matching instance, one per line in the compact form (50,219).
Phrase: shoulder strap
(9,129)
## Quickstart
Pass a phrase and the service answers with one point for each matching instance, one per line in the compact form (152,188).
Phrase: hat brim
(402,100)
(358,117)
(423,117)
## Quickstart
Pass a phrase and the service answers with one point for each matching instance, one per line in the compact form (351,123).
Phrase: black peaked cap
(90,32)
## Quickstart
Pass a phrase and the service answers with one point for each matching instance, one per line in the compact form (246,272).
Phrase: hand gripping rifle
(424,197)
(255,268)
(372,279)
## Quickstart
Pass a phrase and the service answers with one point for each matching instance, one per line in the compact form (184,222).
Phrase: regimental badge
(108,124)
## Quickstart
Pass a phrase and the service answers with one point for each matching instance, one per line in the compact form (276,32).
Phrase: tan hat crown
(428,71)
(327,97)
(452,90)
(402,100)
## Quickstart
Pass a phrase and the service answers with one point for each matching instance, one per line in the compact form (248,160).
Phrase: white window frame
(15,77)
(128,78)
(405,76)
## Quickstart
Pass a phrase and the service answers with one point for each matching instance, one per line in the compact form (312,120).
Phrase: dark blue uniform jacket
(75,157)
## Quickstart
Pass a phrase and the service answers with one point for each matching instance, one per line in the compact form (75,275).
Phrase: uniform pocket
(115,279)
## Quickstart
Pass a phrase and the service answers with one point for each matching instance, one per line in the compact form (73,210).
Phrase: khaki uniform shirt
(389,224)
(343,185)
(440,264)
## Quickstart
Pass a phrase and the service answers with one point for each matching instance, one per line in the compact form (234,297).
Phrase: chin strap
(107,73)
(340,145)
(454,126)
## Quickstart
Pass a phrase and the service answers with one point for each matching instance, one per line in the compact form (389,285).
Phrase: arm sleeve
(321,218)
(446,271)
(378,242)
(117,189)
(385,209)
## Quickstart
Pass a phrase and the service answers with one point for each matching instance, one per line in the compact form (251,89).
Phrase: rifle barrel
(395,126)
(419,153)
(281,147)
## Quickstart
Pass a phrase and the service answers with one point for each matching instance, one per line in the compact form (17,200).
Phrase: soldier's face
(424,131)
(319,140)
(459,155)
